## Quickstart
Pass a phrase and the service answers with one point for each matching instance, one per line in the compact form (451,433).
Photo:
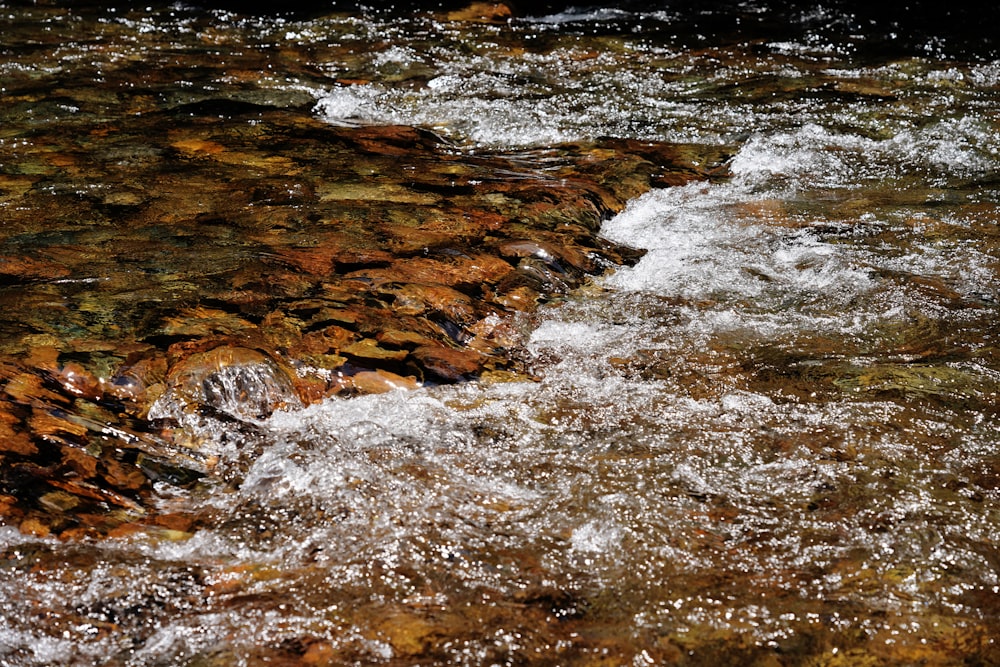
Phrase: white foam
(352,104)
(10,536)
(506,101)
(596,537)
(986,75)
(963,146)
(709,241)
(701,248)
(579,15)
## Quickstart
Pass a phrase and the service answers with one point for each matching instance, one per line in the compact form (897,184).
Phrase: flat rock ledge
(224,260)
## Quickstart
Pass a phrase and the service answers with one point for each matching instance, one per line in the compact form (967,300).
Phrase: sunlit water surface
(773,438)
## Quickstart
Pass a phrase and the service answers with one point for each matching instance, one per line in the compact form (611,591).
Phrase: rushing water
(772,441)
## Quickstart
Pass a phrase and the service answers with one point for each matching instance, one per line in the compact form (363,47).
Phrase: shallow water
(771,441)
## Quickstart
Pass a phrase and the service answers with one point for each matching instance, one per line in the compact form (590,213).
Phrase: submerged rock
(236,382)
(201,301)
(175,258)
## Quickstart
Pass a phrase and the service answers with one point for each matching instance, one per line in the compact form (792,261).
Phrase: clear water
(773,439)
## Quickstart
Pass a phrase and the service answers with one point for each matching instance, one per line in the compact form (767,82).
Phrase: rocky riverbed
(174,249)
(239,258)
(604,336)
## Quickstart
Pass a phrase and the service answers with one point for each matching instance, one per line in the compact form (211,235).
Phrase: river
(771,441)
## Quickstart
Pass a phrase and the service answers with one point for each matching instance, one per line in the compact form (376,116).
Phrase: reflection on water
(771,441)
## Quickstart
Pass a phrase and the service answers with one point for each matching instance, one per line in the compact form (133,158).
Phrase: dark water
(771,441)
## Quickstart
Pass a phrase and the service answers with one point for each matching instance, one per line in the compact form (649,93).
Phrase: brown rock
(98,493)
(45,423)
(59,501)
(518,299)
(408,633)
(317,261)
(8,504)
(567,255)
(456,270)
(380,381)
(368,349)
(484,12)
(42,357)
(79,462)
(202,322)
(391,140)
(29,268)
(445,364)
(238,381)
(121,475)
(134,380)
(194,146)
(27,388)
(14,437)
(456,307)
(34,525)
(181,523)
(78,381)
(395,338)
